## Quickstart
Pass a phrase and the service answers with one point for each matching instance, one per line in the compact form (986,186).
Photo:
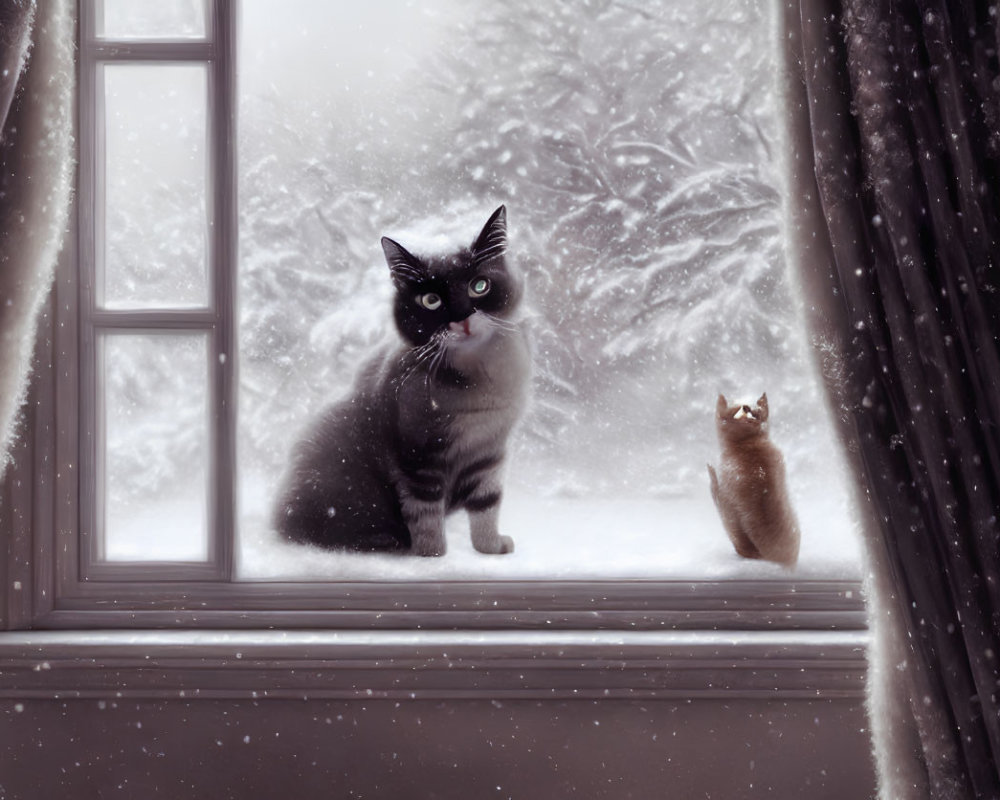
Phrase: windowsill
(766,665)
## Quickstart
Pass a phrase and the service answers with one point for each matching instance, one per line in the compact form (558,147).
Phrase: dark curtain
(894,192)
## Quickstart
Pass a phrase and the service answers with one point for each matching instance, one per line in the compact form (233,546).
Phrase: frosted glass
(162,19)
(156,224)
(156,457)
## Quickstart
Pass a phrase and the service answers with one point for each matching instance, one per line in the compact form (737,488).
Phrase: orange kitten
(750,490)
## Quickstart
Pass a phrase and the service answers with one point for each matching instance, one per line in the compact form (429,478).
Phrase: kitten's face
(454,297)
(741,421)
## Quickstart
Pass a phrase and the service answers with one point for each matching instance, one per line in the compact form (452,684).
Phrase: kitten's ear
(405,267)
(721,405)
(762,405)
(492,241)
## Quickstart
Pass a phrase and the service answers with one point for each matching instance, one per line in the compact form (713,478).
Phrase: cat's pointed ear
(721,405)
(492,240)
(762,405)
(403,265)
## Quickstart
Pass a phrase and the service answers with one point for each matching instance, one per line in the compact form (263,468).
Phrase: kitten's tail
(714,480)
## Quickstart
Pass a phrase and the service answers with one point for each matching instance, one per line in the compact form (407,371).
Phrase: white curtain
(36,167)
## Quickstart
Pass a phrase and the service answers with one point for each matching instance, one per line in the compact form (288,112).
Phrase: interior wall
(708,748)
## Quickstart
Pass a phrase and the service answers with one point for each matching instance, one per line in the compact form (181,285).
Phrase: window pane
(636,148)
(156,220)
(162,19)
(156,462)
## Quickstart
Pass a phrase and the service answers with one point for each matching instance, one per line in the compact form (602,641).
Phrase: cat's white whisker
(435,365)
(420,356)
(499,322)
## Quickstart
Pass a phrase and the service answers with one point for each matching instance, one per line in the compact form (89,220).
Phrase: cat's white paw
(498,545)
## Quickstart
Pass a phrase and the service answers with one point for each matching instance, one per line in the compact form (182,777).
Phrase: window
(156,263)
(190,336)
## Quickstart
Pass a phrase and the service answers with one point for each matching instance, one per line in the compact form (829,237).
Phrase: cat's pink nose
(461,327)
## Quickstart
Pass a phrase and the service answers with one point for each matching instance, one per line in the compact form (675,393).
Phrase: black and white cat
(425,430)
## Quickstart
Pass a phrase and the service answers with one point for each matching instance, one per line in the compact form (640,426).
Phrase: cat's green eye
(430,301)
(479,287)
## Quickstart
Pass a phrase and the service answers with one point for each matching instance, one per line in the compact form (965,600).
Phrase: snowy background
(636,148)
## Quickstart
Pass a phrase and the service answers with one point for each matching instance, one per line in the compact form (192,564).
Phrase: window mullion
(152,51)
(224,254)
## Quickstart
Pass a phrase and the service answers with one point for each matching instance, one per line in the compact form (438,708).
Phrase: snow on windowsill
(575,538)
